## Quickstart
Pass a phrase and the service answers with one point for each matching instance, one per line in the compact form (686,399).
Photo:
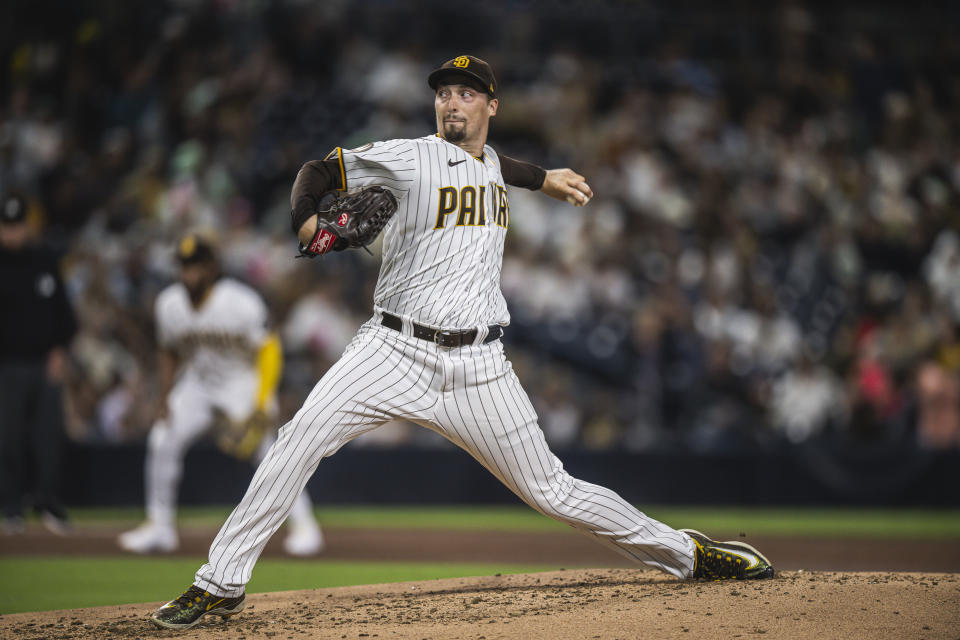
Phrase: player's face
(463,113)
(198,278)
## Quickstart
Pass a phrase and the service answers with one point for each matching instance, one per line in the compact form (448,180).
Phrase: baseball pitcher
(431,352)
(219,368)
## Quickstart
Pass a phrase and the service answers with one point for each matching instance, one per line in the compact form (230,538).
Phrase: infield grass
(70,582)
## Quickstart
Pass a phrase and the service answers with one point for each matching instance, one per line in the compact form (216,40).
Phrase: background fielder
(431,352)
(215,329)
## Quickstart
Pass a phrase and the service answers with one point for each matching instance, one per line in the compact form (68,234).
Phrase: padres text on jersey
(443,249)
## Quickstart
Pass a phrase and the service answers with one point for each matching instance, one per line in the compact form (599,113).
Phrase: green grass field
(67,582)
(821,522)
(42,583)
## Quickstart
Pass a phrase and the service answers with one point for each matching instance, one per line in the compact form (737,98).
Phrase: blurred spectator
(560,417)
(874,394)
(938,407)
(807,400)
(36,326)
(943,271)
(771,180)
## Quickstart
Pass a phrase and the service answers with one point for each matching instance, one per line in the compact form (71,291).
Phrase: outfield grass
(821,522)
(45,583)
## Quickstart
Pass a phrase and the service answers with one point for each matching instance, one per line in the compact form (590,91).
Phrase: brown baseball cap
(470,66)
(195,248)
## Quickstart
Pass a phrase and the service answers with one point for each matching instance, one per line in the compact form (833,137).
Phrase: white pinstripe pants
(471,396)
(191,415)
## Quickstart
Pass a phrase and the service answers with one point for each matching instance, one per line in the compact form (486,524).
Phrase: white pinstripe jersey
(442,254)
(443,249)
(219,339)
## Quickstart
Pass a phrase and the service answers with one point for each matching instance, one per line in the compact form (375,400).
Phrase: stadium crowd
(773,254)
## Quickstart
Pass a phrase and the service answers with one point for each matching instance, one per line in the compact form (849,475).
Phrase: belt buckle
(446,334)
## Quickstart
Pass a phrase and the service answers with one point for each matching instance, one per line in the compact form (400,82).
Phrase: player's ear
(492,105)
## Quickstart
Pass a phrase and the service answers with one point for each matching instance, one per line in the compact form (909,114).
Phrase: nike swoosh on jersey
(451,163)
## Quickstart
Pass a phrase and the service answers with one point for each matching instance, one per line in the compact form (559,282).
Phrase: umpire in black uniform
(36,325)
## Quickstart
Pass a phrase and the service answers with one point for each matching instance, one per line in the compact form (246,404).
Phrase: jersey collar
(481,157)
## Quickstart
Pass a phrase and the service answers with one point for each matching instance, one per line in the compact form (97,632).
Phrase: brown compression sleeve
(314,179)
(517,173)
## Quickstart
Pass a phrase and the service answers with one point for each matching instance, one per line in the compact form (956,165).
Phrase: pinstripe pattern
(450,277)
(441,274)
(469,395)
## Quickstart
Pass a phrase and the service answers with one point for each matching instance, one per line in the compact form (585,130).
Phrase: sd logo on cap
(194,248)
(472,67)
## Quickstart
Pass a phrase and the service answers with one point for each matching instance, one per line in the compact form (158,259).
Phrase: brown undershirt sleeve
(318,177)
(314,179)
(517,173)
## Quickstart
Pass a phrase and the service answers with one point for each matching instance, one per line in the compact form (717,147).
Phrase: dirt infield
(810,597)
(565,549)
(587,603)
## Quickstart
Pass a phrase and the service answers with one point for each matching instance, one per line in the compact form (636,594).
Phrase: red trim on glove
(322,242)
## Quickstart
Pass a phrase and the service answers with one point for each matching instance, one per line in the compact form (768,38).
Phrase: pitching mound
(609,603)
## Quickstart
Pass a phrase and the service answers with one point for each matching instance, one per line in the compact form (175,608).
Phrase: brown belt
(442,338)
